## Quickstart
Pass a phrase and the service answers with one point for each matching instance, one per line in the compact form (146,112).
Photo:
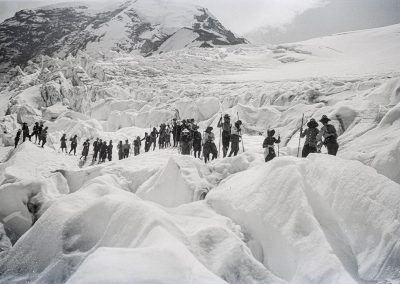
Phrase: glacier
(161,217)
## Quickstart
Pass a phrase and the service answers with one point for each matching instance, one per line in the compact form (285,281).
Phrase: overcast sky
(239,15)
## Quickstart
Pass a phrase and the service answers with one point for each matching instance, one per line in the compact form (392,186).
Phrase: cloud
(241,16)
(244,16)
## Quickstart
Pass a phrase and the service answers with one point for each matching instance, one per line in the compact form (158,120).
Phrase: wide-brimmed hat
(227,116)
(271,132)
(324,119)
(209,128)
(312,123)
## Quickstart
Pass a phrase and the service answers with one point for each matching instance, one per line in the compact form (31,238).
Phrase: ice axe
(298,148)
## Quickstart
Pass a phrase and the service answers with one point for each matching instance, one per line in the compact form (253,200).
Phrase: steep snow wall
(317,220)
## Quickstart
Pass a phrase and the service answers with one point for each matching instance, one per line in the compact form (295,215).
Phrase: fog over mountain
(334,17)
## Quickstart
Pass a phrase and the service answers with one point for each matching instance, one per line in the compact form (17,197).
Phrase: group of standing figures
(315,139)
(187,137)
(101,149)
(39,131)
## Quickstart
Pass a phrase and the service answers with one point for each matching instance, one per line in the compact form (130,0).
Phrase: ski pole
(298,148)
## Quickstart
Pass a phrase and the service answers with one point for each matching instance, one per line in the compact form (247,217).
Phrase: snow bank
(317,220)
(140,241)
(179,182)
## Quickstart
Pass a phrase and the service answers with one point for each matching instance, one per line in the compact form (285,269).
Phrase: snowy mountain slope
(141,25)
(316,220)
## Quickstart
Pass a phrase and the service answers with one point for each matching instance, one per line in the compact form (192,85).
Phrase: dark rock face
(67,30)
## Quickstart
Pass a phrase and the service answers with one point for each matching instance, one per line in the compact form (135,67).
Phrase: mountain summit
(143,26)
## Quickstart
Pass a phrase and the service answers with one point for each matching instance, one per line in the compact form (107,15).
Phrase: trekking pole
(220,136)
(241,133)
(298,148)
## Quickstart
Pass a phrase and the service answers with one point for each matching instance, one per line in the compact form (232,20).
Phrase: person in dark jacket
(209,146)
(25,132)
(328,133)
(127,149)
(103,152)
(268,145)
(235,138)
(147,142)
(40,129)
(35,131)
(311,133)
(185,142)
(85,151)
(44,136)
(120,148)
(154,135)
(96,148)
(137,143)
(109,151)
(226,133)
(74,144)
(63,141)
(197,142)
(17,137)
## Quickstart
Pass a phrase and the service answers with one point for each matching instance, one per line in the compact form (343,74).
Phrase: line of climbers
(39,131)
(187,137)
(315,139)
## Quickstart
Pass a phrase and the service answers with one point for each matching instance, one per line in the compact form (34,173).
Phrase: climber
(17,137)
(120,148)
(109,150)
(268,145)
(147,142)
(40,129)
(209,145)
(196,142)
(35,131)
(310,146)
(175,132)
(328,132)
(168,136)
(127,149)
(96,148)
(226,132)
(185,142)
(178,133)
(161,139)
(74,144)
(25,132)
(85,150)
(63,141)
(103,152)
(44,136)
(235,138)
(154,135)
(137,143)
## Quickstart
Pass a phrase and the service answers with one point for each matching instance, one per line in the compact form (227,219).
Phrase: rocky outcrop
(60,30)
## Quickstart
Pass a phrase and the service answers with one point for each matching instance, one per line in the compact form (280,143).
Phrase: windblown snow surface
(322,219)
